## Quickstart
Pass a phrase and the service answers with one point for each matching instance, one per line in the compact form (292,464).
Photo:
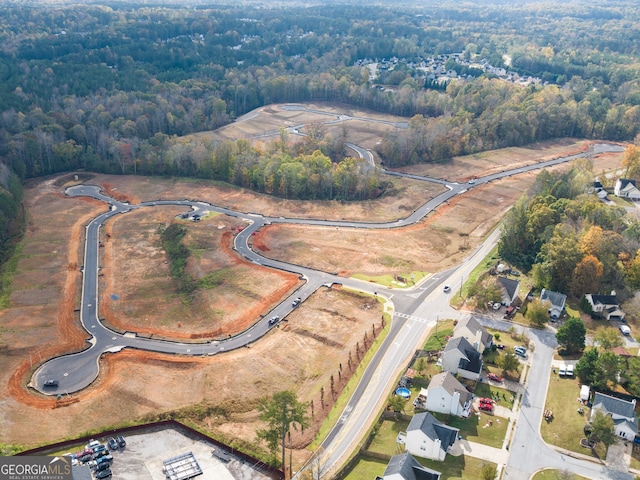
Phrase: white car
(625,330)
(446,289)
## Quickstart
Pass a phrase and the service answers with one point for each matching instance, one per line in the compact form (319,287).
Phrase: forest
(571,242)
(117,86)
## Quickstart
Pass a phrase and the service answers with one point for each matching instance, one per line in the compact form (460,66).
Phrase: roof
(407,466)
(556,299)
(615,405)
(624,182)
(621,351)
(604,299)
(433,429)
(474,326)
(451,385)
(471,360)
(81,472)
(510,285)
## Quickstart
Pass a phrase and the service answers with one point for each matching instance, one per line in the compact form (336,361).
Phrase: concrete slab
(143,457)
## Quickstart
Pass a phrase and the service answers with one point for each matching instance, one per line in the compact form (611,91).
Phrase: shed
(584,393)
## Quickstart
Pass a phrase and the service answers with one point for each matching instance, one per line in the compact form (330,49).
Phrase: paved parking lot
(142,458)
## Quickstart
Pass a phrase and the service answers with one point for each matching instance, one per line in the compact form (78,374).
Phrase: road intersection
(416,311)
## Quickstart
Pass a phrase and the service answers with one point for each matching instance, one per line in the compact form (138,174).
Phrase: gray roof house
(427,437)
(621,411)
(606,305)
(470,328)
(626,188)
(509,289)
(406,467)
(461,358)
(445,394)
(556,301)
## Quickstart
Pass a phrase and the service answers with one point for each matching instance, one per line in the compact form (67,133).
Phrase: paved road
(416,310)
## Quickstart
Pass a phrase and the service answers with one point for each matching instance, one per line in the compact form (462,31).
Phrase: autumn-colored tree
(586,276)
(538,312)
(631,162)
(607,338)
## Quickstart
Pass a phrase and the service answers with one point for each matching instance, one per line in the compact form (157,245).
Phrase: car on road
(121,441)
(51,383)
(472,181)
(273,320)
(494,377)
(113,444)
(103,474)
(446,289)
(297,301)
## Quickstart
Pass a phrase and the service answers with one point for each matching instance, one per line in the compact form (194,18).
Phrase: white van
(625,330)
(569,370)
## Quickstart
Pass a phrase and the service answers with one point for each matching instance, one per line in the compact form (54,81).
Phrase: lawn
(453,468)
(384,441)
(477,429)
(556,475)
(566,428)
(438,340)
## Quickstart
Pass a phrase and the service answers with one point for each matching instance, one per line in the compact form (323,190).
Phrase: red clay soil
(249,317)
(71,336)
(114,193)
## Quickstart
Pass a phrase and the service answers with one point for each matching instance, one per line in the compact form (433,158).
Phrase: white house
(445,394)
(475,333)
(621,411)
(509,288)
(556,302)
(605,305)
(626,188)
(427,437)
(461,358)
(406,467)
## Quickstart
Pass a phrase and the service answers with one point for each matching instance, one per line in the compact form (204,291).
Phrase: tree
(397,403)
(609,364)
(489,471)
(602,429)
(587,366)
(281,412)
(571,336)
(607,338)
(538,312)
(508,361)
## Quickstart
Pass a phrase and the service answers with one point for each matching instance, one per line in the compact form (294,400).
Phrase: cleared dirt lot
(220,394)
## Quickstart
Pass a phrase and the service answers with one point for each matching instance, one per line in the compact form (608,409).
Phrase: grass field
(557,475)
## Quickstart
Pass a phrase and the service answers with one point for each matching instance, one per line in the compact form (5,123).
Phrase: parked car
(273,320)
(501,346)
(51,383)
(562,371)
(105,459)
(494,377)
(625,330)
(520,351)
(486,407)
(113,444)
(102,466)
(103,474)
(121,442)
(569,370)
(92,444)
(86,458)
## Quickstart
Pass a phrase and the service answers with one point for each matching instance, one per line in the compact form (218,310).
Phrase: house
(427,437)
(626,188)
(606,306)
(621,411)
(470,328)
(445,394)
(556,301)
(406,467)
(461,358)
(509,290)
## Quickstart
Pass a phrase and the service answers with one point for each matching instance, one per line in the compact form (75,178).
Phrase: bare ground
(302,355)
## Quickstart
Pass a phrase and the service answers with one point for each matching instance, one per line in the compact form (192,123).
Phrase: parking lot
(142,458)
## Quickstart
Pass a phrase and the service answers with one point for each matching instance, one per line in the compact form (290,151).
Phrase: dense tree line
(12,220)
(85,86)
(569,240)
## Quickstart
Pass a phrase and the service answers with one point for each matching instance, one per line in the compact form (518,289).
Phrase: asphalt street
(416,310)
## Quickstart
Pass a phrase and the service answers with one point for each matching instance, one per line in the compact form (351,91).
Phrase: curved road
(414,315)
